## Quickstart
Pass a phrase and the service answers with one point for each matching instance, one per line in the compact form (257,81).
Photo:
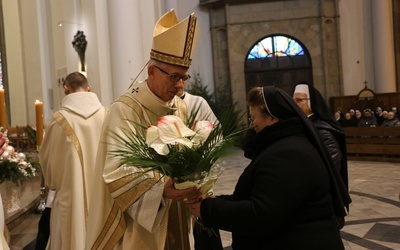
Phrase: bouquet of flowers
(14,166)
(186,153)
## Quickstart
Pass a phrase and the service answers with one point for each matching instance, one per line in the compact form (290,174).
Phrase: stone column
(125,43)
(131,26)
(383,46)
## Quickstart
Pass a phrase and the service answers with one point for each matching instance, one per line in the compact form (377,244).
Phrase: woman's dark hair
(255,98)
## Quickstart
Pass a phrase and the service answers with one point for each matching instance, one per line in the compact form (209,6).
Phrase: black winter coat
(282,199)
(327,134)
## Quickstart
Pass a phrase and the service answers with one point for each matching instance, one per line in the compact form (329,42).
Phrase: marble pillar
(383,46)
(131,26)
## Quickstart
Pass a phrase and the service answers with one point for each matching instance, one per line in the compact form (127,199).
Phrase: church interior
(348,50)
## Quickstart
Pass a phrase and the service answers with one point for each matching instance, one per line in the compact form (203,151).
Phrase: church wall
(130,40)
(119,35)
(383,40)
(28,71)
(14,53)
(202,59)
(330,46)
(247,24)
(396,24)
(337,33)
(38,51)
(220,50)
(91,17)
(93,21)
(354,62)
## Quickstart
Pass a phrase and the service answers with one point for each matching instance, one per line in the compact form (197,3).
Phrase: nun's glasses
(298,100)
(174,77)
(251,118)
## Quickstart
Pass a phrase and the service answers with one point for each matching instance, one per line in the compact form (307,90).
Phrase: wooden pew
(373,144)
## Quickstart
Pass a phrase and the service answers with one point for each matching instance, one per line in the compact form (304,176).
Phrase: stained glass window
(276,46)
(277,60)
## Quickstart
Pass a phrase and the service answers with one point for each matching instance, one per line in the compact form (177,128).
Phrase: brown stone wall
(313,22)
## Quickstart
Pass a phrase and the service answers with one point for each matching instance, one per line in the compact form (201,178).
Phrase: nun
(287,196)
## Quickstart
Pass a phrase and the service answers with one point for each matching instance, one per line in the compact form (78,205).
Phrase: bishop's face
(166,80)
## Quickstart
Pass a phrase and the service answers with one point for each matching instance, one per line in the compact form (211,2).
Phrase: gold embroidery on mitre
(173,42)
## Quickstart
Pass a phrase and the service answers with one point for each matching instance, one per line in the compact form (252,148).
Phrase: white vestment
(128,210)
(199,106)
(3,242)
(67,157)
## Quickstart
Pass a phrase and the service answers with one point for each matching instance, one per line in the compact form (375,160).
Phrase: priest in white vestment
(67,157)
(130,209)
(3,228)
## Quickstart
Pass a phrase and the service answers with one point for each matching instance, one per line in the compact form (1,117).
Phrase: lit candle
(3,119)
(39,122)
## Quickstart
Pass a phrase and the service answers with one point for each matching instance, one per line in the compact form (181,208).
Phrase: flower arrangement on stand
(15,166)
(15,169)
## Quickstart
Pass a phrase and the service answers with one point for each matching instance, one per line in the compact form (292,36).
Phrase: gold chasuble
(127,209)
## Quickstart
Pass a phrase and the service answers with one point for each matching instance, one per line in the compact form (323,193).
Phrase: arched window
(277,60)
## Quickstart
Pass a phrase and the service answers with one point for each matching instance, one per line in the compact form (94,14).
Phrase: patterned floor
(373,223)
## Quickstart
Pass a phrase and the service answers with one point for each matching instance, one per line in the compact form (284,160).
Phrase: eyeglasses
(298,100)
(174,77)
(251,118)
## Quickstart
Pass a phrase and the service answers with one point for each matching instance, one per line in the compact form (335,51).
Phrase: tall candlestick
(3,117)
(39,122)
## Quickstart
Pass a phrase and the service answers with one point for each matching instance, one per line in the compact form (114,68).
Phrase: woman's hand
(188,195)
(194,209)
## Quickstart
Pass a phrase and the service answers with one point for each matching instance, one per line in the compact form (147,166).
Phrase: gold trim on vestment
(182,109)
(152,117)
(123,201)
(120,205)
(118,230)
(128,101)
(62,121)
(133,194)
(117,184)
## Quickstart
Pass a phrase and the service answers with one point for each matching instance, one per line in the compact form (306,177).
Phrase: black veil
(282,106)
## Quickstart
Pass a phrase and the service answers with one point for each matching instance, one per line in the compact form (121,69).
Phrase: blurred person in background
(379,116)
(347,121)
(391,120)
(368,119)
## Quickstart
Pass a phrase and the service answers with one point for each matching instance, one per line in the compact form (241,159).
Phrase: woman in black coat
(287,196)
(332,134)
